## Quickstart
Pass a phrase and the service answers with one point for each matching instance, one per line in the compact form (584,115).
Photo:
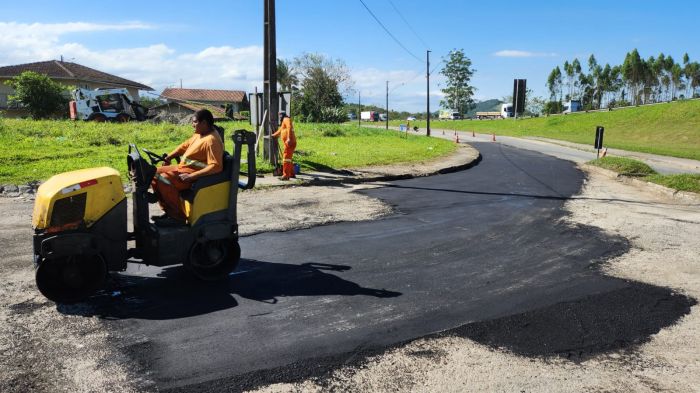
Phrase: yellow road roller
(81,234)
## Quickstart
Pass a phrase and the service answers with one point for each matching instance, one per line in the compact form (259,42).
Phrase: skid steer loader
(80,224)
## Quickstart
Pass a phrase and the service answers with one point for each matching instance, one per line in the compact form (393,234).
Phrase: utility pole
(427,96)
(270,101)
(359,107)
(387,105)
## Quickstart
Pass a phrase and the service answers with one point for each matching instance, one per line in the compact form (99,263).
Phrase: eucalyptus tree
(554,83)
(458,72)
(595,71)
(633,74)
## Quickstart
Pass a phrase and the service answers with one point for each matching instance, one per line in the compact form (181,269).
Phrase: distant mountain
(493,105)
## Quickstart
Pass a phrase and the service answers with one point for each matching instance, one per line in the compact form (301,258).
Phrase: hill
(492,105)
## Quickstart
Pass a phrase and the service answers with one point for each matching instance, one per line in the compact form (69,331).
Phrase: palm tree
(286,77)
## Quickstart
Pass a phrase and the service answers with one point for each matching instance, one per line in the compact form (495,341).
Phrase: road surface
(483,253)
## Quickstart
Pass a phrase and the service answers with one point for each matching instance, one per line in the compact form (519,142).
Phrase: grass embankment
(671,129)
(36,150)
(634,168)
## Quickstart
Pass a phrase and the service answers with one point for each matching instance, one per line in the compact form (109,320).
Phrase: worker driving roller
(286,135)
(201,155)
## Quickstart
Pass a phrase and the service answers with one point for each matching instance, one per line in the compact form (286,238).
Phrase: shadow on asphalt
(576,330)
(175,293)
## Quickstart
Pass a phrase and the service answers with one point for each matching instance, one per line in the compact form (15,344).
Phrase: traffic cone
(456,138)
(493,137)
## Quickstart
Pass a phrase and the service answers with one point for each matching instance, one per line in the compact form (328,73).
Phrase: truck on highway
(571,106)
(506,112)
(449,114)
(369,116)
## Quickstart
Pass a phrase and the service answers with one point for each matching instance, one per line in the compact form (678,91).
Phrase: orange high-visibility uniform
(201,155)
(286,134)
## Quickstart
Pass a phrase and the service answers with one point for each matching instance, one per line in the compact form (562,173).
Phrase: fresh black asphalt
(483,253)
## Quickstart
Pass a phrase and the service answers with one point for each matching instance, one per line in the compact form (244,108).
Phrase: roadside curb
(683,196)
(468,157)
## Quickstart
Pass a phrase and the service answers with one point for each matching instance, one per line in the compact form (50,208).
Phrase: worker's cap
(283,113)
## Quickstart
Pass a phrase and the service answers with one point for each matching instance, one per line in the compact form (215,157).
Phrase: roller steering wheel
(155,158)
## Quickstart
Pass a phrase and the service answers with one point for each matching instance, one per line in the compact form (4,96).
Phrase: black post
(427,77)
(599,130)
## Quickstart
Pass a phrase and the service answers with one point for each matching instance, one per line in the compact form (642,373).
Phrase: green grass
(36,150)
(624,166)
(671,129)
(630,167)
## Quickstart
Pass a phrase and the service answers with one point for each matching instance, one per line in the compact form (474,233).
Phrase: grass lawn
(630,167)
(671,129)
(36,150)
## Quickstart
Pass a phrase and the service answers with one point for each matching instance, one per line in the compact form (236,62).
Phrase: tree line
(636,81)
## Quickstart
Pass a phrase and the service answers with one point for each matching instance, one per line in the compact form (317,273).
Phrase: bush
(245,114)
(333,132)
(552,107)
(333,115)
(43,97)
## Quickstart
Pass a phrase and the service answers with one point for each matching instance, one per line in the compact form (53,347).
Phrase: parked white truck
(369,116)
(105,105)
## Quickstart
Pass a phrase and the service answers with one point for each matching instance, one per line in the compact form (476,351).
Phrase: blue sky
(218,44)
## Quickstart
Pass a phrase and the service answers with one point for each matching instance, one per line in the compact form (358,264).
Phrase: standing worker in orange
(286,135)
(202,154)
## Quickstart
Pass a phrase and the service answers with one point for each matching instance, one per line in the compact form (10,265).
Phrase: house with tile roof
(67,73)
(218,98)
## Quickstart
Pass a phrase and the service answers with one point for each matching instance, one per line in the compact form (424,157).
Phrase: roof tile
(203,95)
(66,70)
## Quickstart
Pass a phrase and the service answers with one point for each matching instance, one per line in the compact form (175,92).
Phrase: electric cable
(407,24)
(388,32)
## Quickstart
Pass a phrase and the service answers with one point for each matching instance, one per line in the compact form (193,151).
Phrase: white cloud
(222,67)
(158,65)
(521,53)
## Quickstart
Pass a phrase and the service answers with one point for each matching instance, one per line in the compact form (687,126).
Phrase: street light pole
(387,105)
(427,96)
(359,108)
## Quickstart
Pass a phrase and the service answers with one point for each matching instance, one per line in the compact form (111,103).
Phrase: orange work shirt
(202,153)
(285,132)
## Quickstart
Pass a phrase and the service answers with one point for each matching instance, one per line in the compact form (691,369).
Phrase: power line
(388,32)
(406,22)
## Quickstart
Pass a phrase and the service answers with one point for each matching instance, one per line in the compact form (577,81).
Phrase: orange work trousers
(167,186)
(287,163)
